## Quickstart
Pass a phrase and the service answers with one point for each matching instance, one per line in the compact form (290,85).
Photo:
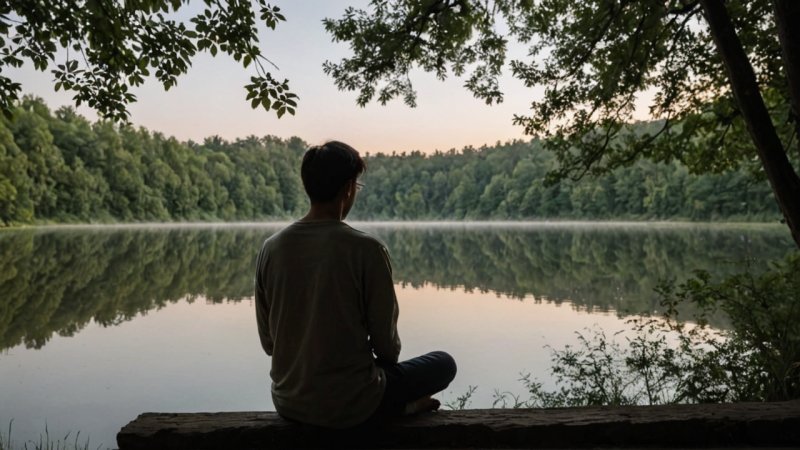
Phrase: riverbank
(649,224)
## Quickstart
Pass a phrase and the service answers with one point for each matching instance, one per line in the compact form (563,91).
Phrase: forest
(58,167)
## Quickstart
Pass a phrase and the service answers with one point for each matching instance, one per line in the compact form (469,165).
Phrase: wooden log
(670,426)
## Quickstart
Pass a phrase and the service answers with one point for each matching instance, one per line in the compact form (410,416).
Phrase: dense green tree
(492,201)
(45,165)
(725,75)
(411,203)
(99,49)
(16,204)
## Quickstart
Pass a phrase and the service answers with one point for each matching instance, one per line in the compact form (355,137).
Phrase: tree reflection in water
(57,281)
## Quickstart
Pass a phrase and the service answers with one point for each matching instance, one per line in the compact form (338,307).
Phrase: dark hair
(327,167)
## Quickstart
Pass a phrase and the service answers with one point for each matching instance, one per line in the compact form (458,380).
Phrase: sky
(210,99)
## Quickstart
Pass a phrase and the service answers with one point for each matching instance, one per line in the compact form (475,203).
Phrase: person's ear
(351,188)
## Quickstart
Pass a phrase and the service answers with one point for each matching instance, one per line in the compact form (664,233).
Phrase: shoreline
(499,224)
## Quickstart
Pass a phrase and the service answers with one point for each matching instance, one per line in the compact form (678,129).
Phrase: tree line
(508,181)
(59,167)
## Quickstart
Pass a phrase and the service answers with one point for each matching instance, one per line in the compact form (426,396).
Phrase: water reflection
(611,268)
(57,281)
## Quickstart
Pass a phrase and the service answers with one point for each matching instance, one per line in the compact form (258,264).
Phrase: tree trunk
(782,177)
(787,19)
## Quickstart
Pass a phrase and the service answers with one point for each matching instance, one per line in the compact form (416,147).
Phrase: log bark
(781,175)
(667,426)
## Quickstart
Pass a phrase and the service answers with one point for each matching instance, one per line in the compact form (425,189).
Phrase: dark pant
(413,379)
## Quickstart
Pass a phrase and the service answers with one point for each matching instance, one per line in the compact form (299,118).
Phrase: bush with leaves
(671,361)
(758,359)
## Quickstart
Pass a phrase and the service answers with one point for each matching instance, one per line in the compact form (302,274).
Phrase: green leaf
(106,58)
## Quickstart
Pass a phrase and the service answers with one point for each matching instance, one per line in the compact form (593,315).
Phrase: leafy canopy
(99,49)
(595,59)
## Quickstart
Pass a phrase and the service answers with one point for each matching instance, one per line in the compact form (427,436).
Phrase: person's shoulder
(364,238)
(277,237)
(361,235)
(274,236)
(373,249)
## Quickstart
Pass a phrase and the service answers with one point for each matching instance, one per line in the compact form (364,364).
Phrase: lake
(100,324)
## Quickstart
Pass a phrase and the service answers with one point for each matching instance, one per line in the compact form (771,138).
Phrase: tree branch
(685,8)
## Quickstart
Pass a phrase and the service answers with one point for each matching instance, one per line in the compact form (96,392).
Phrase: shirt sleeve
(381,307)
(263,303)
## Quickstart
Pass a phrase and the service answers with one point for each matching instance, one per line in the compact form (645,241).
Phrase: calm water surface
(98,325)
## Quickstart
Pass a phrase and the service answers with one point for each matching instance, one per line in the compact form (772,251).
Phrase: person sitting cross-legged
(327,312)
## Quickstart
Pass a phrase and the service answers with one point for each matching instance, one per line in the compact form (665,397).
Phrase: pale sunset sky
(210,99)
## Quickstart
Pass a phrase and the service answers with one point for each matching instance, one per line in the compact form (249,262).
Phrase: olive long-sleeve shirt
(326,311)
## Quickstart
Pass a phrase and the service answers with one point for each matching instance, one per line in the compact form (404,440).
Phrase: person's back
(327,313)
(329,284)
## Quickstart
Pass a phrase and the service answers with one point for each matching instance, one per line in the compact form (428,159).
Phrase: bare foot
(421,405)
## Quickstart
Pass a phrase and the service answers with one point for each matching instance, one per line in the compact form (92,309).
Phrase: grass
(45,442)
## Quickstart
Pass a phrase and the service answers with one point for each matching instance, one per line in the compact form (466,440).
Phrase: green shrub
(667,360)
